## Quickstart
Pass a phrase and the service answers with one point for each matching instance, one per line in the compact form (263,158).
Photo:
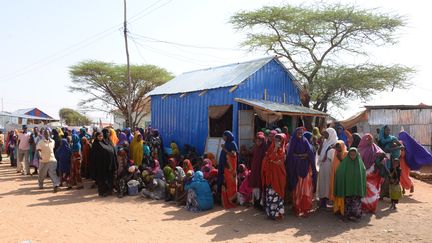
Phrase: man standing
(23,151)
(47,161)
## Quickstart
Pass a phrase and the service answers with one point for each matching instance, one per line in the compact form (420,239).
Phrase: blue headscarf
(230,146)
(76,143)
(342,136)
(308,135)
(63,154)
(129,135)
(122,139)
(198,177)
(385,140)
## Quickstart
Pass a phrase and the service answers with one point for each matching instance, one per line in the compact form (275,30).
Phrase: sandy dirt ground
(29,214)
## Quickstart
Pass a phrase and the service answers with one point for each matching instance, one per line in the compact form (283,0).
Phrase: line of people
(348,173)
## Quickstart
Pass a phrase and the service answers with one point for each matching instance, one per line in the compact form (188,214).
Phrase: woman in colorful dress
(371,156)
(302,173)
(340,154)
(258,153)
(405,179)
(227,171)
(76,162)
(274,178)
(326,155)
(137,149)
(350,183)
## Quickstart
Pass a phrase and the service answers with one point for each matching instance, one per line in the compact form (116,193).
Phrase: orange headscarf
(187,165)
(335,165)
(273,167)
(212,158)
(113,136)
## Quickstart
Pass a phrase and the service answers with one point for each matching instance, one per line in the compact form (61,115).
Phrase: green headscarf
(169,174)
(350,177)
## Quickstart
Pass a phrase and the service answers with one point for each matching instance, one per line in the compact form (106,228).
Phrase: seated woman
(132,173)
(210,174)
(199,195)
(180,180)
(243,172)
(350,183)
(155,186)
(244,194)
(170,183)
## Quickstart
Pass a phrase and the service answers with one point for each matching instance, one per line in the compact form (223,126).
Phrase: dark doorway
(221,124)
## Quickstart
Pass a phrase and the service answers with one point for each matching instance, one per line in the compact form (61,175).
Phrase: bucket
(133,187)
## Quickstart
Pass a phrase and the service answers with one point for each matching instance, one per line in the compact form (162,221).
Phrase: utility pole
(129,95)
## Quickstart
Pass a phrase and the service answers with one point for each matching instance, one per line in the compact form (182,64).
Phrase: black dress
(104,160)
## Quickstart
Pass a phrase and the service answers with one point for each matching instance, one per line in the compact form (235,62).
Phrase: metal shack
(196,107)
(414,119)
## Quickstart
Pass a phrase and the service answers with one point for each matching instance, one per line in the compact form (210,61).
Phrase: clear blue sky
(41,39)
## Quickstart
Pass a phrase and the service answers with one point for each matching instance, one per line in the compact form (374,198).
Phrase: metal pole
(129,95)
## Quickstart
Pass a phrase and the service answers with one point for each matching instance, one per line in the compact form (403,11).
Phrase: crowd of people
(346,172)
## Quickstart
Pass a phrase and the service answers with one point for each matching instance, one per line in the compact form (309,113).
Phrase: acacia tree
(106,86)
(314,40)
(74,118)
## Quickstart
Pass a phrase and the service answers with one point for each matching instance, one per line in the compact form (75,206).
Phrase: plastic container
(133,187)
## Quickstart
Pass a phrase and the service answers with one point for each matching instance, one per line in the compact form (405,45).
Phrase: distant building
(30,116)
(143,111)
(414,119)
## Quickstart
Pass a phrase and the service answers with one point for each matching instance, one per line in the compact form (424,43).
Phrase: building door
(246,128)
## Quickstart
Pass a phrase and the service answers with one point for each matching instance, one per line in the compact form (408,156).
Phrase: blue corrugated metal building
(193,106)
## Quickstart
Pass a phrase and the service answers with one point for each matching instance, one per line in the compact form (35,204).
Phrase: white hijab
(331,140)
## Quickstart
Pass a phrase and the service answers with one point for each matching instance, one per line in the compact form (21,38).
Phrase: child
(395,188)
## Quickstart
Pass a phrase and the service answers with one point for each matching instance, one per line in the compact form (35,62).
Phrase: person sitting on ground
(132,173)
(244,194)
(155,186)
(170,183)
(181,195)
(199,197)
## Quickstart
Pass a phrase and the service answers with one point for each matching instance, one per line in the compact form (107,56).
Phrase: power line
(184,45)
(79,45)
(174,56)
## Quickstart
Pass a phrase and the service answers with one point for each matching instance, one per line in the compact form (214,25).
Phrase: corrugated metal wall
(396,117)
(185,119)
(418,123)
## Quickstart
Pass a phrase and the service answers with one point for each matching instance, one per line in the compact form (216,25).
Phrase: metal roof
(211,78)
(283,108)
(18,114)
(399,107)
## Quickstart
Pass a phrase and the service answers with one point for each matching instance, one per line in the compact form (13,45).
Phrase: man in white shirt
(47,161)
(23,151)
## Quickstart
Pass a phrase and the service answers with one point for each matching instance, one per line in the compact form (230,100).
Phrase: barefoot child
(394,185)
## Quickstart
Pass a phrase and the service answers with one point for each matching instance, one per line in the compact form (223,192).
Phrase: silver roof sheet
(281,107)
(211,78)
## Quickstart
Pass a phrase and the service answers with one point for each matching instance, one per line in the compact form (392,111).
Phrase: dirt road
(27,213)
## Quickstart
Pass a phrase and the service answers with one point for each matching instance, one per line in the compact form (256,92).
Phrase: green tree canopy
(314,38)
(73,118)
(106,86)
